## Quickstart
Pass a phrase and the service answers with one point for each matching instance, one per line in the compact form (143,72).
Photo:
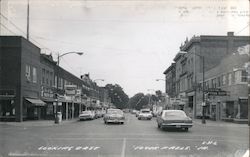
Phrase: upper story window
(229,79)
(224,80)
(240,76)
(243,76)
(27,72)
(214,83)
(34,75)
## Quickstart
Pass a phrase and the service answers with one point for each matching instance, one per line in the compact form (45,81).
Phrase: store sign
(70,90)
(216,92)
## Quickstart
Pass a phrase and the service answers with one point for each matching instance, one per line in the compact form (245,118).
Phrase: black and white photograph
(124,78)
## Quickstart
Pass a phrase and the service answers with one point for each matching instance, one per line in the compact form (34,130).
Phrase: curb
(37,123)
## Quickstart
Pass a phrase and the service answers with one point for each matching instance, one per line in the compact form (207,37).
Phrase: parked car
(145,114)
(174,119)
(85,115)
(114,116)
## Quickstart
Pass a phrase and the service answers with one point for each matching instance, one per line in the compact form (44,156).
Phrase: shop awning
(36,102)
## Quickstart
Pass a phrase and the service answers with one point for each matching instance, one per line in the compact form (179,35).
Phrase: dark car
(174,119)
(114,116)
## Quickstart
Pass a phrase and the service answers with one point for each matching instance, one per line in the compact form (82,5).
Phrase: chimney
(230,33)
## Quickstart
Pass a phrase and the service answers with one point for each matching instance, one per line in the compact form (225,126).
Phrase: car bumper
(145,117)
(85,118)
(114,120)
(177,125)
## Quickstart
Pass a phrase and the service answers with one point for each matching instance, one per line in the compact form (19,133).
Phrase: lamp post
(203,88)
(149,99)
(57,80)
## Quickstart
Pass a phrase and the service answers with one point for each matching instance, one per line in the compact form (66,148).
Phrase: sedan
(145,114)
(85,115)
(114,116)
(174,119)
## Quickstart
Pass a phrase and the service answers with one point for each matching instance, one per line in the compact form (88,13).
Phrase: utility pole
(28,19)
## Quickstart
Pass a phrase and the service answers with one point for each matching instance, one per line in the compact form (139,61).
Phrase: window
(34,75)
(219,81)
(214,84)
(237,76)
(243,76)
(27,72)
(240,76)
(224,80)
(229,79)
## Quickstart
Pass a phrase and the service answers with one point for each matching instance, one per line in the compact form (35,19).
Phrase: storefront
(35,108)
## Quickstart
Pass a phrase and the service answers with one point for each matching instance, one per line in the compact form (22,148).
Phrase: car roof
(173,111)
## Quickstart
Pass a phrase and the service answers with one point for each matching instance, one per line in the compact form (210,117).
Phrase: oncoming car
(114,116)
(174,119)
(145,114)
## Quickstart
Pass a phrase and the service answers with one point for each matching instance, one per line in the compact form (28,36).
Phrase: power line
(8,29)
(242,29)
(33,40)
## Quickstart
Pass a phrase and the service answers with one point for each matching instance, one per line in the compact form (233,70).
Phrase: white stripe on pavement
(123,147)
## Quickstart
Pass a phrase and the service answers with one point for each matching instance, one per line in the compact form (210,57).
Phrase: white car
(85,115)
(145,114)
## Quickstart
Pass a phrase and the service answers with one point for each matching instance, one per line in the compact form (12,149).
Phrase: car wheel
(139,118)
(159,126)
(122,122)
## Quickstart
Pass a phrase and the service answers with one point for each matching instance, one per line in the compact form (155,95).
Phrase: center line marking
(123,147)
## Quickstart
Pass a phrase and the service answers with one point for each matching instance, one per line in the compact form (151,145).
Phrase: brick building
(189,66)
(28,84)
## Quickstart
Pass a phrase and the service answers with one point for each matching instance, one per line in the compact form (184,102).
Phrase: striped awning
(36,102)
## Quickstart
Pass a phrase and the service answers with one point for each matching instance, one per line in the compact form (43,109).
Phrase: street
(135,138)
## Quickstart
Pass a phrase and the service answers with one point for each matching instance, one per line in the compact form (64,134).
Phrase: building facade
(29,81)
(190,67)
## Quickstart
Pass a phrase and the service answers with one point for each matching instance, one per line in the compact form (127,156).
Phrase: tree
(118,97)
(138,101)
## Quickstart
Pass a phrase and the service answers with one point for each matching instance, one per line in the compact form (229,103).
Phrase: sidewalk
(41,123)
(218,123)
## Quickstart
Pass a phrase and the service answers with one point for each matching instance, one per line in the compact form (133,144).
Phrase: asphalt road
(136,138)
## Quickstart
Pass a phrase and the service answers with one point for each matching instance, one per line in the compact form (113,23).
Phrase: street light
(57,80)
(149,99)
(203,87)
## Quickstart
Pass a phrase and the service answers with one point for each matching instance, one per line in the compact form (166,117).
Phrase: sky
(125,42)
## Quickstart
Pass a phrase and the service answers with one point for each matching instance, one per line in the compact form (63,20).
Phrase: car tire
(122,122)
(159,126)
(139,118)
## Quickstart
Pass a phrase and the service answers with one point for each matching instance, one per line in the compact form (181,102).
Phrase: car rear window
(175,114)
(114,112)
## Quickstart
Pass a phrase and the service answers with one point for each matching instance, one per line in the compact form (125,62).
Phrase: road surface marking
(123,147)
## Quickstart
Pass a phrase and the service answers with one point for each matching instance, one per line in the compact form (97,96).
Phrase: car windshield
(175,114)
(114,112)
(86,112)
(145,111)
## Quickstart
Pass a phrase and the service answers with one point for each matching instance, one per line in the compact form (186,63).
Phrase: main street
(135,138)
